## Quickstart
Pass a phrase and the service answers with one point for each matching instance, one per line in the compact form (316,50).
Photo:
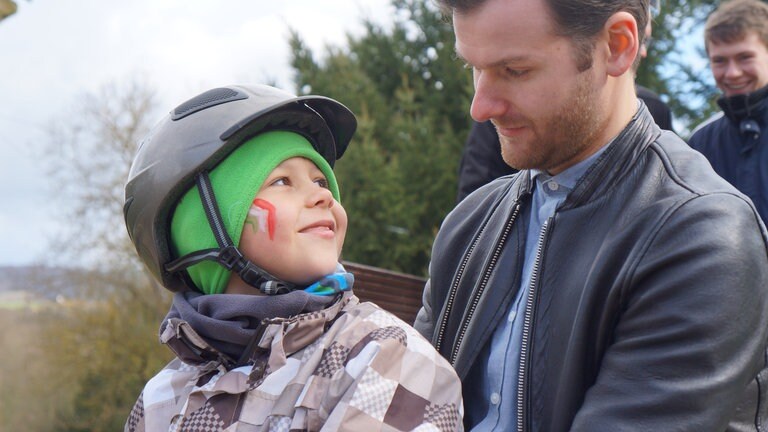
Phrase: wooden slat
(398,293)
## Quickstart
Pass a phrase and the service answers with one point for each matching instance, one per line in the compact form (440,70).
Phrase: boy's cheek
(340,237)
(262,217)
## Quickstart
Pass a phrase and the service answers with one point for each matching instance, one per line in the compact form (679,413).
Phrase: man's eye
(516,73)
(745,57)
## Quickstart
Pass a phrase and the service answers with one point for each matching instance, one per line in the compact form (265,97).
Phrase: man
(481,160)
(736,140)
(616,282)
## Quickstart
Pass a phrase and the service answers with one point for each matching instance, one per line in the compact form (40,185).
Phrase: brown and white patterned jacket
(349,367)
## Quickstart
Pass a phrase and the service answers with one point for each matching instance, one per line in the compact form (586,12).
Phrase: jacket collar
(745,106)
(280,337)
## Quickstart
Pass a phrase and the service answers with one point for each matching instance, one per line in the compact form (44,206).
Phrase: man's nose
(488,102)
(732,69)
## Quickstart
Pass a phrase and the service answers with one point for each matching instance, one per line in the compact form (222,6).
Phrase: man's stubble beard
(564,135)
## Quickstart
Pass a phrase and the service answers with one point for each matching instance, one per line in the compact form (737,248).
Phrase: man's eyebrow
(501,62)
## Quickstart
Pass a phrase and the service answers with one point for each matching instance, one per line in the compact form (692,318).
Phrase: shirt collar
(571,175)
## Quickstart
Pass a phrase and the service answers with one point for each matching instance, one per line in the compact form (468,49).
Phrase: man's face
(547,113)
(739,67)
(295,229)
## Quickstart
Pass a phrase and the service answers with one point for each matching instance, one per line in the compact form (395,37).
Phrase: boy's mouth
(319,227)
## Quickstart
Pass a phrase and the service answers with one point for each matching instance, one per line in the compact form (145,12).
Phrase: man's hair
(579,20)
(734,19)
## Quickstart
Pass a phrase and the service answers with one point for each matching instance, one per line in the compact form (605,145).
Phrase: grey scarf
(228,322)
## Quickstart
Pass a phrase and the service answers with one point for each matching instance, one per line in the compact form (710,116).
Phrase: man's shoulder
(707,127)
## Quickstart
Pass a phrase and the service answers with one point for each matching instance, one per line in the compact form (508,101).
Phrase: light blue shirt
(496,381)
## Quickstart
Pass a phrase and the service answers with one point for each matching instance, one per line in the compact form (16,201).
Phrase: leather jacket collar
(615,161)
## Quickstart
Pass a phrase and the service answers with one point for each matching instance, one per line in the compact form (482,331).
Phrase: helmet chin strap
(227,254)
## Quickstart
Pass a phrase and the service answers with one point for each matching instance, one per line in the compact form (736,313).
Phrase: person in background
(232,203)
(616,282)
(735,140)
(481,159)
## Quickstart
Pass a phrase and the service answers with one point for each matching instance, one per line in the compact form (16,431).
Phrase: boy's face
(295,229)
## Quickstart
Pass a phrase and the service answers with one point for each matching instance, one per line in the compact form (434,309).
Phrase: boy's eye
(282,181)
(322,182)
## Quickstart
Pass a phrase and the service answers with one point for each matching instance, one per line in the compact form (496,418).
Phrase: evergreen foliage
(412,98)
(673,65)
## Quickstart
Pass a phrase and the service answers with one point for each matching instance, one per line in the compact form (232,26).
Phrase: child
(232,203)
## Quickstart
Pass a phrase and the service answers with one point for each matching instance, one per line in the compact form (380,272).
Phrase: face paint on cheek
(264,214)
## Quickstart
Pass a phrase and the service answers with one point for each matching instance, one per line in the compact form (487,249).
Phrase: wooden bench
(395,292)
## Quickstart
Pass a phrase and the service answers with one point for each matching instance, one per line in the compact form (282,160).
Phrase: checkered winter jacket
(349,367)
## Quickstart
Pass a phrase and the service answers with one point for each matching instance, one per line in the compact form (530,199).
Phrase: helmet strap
(227,255)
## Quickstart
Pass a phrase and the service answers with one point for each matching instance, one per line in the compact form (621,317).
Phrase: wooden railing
(395,292)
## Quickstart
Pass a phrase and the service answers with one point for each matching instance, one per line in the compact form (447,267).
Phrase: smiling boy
(232,203)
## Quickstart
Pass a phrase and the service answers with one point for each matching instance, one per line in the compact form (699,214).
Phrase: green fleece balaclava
(235,181)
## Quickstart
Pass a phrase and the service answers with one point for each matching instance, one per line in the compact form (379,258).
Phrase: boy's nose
(321,197)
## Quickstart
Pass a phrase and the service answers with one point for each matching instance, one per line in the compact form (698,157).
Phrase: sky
(53,52)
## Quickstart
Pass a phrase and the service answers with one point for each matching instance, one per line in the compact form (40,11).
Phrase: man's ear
(623,43)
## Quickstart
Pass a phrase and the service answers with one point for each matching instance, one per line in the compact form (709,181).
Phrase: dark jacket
(648,310)
(659,110)
(736,144)
(481,160)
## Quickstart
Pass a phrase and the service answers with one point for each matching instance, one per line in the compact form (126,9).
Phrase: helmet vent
(205,100)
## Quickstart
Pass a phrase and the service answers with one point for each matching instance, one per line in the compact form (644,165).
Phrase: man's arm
(692,338)
(425,319)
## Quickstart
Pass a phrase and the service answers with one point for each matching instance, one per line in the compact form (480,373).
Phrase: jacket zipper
(483,282)
(452,294)
(525,343)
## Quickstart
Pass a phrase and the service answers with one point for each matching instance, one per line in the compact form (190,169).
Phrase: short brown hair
(579,20)
(734,19)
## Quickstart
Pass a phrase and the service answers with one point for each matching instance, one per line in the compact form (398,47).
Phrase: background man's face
(739,67)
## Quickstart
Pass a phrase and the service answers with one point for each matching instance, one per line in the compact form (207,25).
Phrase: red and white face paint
(263,214)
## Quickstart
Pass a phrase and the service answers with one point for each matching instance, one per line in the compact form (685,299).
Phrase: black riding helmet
(191,140)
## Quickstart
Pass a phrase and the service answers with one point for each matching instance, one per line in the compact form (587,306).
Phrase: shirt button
(512,316)
(553,186)
(495,398)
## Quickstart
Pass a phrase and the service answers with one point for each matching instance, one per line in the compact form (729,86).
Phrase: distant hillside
(47,282)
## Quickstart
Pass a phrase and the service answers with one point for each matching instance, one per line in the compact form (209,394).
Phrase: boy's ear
(623,43)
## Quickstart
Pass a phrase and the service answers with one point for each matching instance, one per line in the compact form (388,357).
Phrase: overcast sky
(53,51)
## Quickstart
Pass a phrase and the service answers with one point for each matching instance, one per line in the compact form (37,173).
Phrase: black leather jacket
(649,306)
